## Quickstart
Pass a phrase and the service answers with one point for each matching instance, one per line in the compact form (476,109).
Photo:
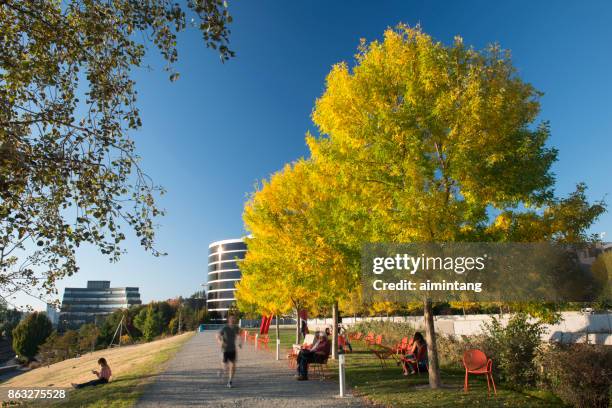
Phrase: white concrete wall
(575,327)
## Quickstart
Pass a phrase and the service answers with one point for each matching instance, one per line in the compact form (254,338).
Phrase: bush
(30,333)
(579,374)
(514,348)
(153,324)
(59,347)
(126,340)
(451,348)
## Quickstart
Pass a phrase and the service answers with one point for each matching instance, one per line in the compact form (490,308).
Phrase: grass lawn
(388,387)
(133,367)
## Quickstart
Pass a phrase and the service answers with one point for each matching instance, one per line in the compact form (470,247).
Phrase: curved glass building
(223,273)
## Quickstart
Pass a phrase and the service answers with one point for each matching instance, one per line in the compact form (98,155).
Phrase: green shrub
(30,333)
(514,348)
(579,374)
(451,348)
(59,347)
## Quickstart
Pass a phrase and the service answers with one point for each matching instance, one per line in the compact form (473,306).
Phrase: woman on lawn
(103,375)
(416,359)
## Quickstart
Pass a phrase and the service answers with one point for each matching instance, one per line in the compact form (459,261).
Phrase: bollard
(277,349)
(341,374)
(256,341)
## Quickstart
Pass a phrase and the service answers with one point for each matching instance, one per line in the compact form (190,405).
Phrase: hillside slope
(121,360)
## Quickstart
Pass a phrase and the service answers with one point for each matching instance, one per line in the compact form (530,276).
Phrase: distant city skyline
(210,136)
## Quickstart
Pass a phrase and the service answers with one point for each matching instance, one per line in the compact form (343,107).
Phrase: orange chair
(342,343)
(476,362)
(404,346)
(414,361)
(356,336)
(263,341)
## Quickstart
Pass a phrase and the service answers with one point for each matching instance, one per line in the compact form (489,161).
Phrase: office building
(223,273)
(93,303)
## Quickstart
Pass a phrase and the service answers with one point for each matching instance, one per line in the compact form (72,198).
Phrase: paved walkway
(191,380)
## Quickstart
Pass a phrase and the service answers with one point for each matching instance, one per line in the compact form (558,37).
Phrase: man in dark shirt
(227,339)
(319,352)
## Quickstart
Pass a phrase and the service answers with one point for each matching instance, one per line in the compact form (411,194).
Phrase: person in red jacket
(317,353)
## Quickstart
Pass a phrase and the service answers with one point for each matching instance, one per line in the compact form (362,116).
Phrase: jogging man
(227,339)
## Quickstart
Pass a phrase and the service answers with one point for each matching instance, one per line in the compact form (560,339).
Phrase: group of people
(414,361)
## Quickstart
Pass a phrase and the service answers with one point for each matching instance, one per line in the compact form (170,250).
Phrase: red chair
(369,338)
(373,339)
(421,357)
(404,346)
(342,344)
(476,362)
(356,336)
(263,341)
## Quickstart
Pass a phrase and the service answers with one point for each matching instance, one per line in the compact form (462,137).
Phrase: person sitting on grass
(317,353)
(103,375)
(416,359)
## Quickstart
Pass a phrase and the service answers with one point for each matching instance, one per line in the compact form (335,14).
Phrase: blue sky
(210,136)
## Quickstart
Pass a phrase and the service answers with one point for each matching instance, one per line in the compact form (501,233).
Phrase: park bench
(476,362)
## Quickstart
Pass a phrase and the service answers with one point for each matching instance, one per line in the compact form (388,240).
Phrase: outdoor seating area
(402,353)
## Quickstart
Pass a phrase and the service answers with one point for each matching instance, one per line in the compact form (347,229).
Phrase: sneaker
(229,384)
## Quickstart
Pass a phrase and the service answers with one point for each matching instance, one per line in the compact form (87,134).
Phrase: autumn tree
(69,172)
(274,277)
(299,235)
(444,137)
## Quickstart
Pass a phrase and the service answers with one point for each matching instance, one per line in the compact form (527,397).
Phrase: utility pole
(179,317)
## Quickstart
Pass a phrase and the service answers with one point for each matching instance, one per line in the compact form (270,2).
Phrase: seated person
(416,359)
(343,339)
(103,375)
(319,352)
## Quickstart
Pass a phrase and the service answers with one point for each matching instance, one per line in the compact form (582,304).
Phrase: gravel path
(191,379)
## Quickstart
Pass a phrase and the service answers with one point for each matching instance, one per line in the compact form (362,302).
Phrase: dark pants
(304,358)
(92,383)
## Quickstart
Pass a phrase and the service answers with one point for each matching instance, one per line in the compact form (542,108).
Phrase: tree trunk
(334,353)
(432,348)
(297,326)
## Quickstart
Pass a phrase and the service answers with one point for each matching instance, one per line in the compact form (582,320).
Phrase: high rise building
(98,299)
(52,314)
(223,273)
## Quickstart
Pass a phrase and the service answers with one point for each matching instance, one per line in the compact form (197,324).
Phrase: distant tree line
(34,337)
